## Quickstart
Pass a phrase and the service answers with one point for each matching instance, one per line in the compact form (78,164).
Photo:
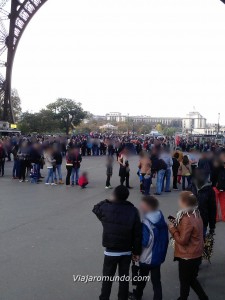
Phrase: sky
(142,57)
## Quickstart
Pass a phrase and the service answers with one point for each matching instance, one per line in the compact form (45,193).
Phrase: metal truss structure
(15,15)
(14,18)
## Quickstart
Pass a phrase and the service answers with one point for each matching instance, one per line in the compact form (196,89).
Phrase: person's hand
(135,258)
(170,225)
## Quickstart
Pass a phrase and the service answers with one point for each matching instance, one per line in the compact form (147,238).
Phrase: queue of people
(132,235)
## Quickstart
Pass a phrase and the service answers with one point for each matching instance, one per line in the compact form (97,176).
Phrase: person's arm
(120,160)
(212,211)
(182,236)
(137,236)
(97,210)
(146,235)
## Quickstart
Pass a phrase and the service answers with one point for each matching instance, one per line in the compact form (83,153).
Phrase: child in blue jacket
(155,240)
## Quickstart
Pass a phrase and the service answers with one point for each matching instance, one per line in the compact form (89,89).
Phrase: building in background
(193,122)
(118,117)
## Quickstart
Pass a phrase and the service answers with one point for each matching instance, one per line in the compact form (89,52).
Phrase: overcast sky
(142,57)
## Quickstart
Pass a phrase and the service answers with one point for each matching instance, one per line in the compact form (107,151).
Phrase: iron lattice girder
(22,11)
(25,10)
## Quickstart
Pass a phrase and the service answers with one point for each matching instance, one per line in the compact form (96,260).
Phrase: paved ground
(47,234)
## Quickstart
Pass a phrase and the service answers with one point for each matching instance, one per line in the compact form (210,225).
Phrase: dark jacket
(121,223)
(221,180)
(176,166)
(77,161)
(207,204)
(58,157)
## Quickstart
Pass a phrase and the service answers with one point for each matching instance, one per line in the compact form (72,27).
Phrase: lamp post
(218,124)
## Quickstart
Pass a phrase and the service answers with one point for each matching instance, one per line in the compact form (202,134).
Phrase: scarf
(187,212)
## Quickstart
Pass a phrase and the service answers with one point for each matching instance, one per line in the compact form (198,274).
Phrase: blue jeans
(75,175)
(167,178)
(50,176)
(159,181)
(147,184)
(58,169)
(16,168)
(184,182)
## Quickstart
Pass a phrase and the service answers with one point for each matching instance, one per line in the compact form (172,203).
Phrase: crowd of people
(197,168)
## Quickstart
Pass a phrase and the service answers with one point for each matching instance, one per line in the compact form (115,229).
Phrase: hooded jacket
(206,203)
(121,226)
(155,239)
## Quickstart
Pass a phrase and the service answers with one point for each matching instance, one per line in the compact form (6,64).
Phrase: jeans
(58,169)
(108,180)
(175,180)
(159,181)
(23,168)
(50,176)
(167,178)
(145,270)
(68,175)
(75,175)
(109,269)
(188,273)
(125,177)
(147,184)
(2,166)
(16,168)
(184,182)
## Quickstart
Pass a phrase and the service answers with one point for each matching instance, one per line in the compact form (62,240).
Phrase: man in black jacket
(121,238)
(205,194)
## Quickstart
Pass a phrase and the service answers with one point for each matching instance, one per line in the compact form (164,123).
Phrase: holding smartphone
(172,219)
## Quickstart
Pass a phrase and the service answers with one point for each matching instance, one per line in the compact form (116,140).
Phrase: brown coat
(188,236)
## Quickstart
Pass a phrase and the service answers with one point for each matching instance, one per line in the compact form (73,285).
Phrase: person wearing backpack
(155,240)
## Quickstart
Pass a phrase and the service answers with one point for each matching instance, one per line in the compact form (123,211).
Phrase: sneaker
(53,183)
(21,180)
(47,183)
(107,187)
(175,189)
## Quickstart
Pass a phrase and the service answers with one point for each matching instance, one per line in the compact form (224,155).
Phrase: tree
(16,104)
(68,113)
(169,131)
(41,122)
(158,127)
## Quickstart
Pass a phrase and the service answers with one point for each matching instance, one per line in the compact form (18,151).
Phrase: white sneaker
(53,184)
(107,187)
(47,183)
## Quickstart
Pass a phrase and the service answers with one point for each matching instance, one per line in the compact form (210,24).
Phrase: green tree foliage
(67,112)
(41,122)
(169,131)
(16,104)
(58,117)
